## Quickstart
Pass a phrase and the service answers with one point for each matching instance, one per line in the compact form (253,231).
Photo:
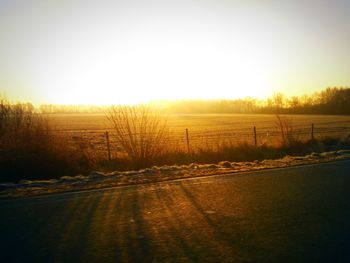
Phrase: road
(298,214)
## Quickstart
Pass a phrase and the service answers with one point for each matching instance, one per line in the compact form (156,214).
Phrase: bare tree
(141,131)
(278,100)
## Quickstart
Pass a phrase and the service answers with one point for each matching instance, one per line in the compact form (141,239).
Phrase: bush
(284,127)
(29,148)
(141,132)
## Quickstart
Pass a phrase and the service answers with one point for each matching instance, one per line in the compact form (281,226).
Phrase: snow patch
(73,178)
(225,164)
(193,166)
(95,175)
(97,179)
(209,166)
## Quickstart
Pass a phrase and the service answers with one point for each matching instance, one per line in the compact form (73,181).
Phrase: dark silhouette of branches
(329,101)
(141,132)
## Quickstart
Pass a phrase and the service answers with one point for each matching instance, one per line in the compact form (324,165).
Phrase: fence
(105,142)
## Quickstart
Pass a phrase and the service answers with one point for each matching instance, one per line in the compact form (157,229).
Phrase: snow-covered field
(157,174)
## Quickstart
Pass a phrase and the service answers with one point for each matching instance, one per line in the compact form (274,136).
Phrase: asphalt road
(299,214)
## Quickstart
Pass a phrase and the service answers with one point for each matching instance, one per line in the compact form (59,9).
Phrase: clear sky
(81,51)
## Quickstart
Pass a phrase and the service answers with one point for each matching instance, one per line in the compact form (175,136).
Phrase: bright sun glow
(148,66)
(130,51)
(149,71)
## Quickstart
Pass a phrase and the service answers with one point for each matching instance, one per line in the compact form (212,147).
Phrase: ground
(98,179)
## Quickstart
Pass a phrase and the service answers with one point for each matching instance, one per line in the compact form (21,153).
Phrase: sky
(130,51)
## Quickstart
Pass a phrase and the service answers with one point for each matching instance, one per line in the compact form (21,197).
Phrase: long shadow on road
(263,219)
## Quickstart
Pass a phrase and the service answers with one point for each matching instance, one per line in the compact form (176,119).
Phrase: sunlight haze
(130,51)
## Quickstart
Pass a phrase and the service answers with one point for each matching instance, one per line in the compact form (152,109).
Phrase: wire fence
(105,140)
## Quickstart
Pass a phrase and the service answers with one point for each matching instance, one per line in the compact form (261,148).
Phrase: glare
(141,67)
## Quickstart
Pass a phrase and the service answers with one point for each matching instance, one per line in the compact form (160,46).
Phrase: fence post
(312,132)
(108,147)
(188,141)
(255,141)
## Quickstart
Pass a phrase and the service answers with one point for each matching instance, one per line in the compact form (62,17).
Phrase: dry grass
(198,122)
(285,129)
(30,148)
(204,128)
(213,135)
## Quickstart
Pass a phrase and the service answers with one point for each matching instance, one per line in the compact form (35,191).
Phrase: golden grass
(46,146)
(200,122)
(212,129)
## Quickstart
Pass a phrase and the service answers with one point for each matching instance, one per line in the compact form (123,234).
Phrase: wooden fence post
(108,147)
(255,141)
(188,141)
(312,132)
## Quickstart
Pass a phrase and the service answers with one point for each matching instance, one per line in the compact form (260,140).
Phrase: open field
(202,122)
(211,129)
(79,143)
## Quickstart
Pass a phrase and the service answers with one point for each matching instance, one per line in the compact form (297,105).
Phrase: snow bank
(97,179)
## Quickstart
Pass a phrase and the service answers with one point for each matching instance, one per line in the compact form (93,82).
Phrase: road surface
(298,214)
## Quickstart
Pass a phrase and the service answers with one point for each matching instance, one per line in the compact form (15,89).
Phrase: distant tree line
(333,100)
(61,108)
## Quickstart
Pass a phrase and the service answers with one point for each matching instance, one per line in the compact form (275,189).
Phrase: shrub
(284,127)
(141,132)
(29,148)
